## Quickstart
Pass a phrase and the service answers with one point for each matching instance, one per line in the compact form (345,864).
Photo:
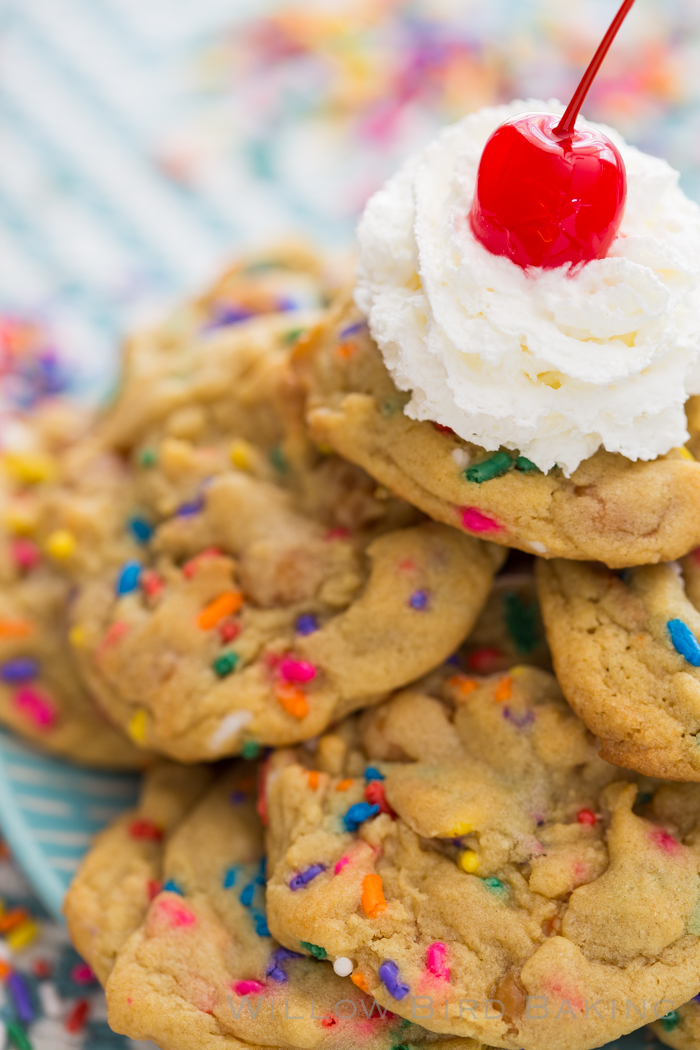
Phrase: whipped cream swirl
(552,363)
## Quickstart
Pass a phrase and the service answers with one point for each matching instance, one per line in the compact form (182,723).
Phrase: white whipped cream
(552,363)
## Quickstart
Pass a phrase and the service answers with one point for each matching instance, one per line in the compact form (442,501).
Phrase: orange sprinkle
(11,919)
(114,633)
(360,981)
(292,699)
(346,349)
(344,785)
(5,970)
(373,902)
(225,605)
(503,689)
(462,684)
(15,628)
(313,779)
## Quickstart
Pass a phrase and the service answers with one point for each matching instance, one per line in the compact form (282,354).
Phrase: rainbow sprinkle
(684,641)
(390,977)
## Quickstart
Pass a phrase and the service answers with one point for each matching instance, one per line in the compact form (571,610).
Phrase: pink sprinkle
(229,630)
(82,974)
(665,841)
(190,567)
(475,521)
(25,554)
(38,708)
(337,534)
(175,912)
(113,634)
(296,670)
(436,960)
(342,863)
(407,565)
(249,988)
(151,583)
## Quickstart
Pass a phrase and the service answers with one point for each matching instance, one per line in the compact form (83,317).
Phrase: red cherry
(549,191)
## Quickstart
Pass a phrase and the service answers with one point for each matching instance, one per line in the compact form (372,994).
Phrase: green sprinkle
(225,664)
(393,405)
(292,335)
(645,797)
(494,885)
(278,460)
(670,1021)
(522,622)
(148,457)
(251,749)
(401,1046)
(489,469)
(18,1036)
(314,949)
(526,465)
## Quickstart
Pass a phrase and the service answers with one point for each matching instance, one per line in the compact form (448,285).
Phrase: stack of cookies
(371,814)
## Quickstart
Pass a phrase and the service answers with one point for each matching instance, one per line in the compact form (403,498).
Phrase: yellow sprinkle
(686,453)
(61,544)
(240,454)
(461,829)
(77,636)
(518,671)
(137,726)
(469,861)
(20,521)
(29,467)
(324,449)
(21,936)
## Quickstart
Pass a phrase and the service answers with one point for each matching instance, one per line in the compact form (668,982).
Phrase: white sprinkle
(51,1002)
(229,726)
(675,567)
(538,548)
(461,457)
(343,966)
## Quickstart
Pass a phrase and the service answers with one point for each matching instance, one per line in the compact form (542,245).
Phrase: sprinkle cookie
(169,910)
(680,1028)
(467,850)
(611,509)
(626,653)
(255,622)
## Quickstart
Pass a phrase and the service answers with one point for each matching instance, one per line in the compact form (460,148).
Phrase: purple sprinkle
(238,798)
(21,996)
(186,510)
(306,624)
(520,722)
(284,304)
(21,669)
(303,878)
(229,315)
(353,329)
(274,967)
(389,974)
(419,600)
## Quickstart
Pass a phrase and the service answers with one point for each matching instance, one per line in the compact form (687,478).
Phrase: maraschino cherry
(550,191)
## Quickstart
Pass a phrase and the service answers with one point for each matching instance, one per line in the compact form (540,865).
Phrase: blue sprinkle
(684,641)
(358,814)
(21,669)
(187,510)
(261,927)
(238,797)
(247,894)
(372,773)
(230,878)
(172,887)
(140,529)
(520,721)
(306,624)
(353,329)
(303,878)
(419,600)
(128,579)
(389,974)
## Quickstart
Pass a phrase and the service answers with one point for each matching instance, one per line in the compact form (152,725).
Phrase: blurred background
(142,142)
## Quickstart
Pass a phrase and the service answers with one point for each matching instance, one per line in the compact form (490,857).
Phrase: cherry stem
(565,127)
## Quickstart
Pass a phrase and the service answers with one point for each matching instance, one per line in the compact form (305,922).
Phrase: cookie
(466,848)
(169,910)
(509,630)
(257,622)
(610,509)
(680,1028)
(626,654)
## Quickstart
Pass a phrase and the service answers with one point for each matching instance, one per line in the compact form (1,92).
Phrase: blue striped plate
(49,811)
